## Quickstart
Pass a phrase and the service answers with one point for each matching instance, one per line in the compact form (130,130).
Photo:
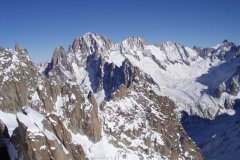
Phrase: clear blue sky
(42,25)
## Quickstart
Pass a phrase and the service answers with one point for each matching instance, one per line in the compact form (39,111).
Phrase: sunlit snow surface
(188,85)
(9,120)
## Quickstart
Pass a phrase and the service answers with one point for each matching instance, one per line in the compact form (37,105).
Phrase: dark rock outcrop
(94,67)
(17,48)
(231,86)
(4,155)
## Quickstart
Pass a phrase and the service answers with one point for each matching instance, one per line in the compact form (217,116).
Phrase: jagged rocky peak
(169,46)
(237,53)
(17,48)
(203,52)
(19,78)
(168,43)
(176,53)
(227,43)
(58,54)
(225,49)
(90,43)
(134,43)
(219,51)
(231,85)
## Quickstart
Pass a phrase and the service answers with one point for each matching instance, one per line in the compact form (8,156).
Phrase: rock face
(203,52)
(52,143)
(231,86)
(233,83)
(3,146)
(147,124)
(62,110)
(89,43)
(94,67)
(115,76)
(17,48)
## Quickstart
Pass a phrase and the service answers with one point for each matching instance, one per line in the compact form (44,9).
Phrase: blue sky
(42,25)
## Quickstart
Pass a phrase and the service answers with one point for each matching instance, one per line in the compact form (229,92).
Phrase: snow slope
(187,78)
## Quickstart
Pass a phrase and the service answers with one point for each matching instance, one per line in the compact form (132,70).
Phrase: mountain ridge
(163,55)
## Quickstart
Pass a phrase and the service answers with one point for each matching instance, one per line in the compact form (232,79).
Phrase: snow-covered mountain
(105,100)
(201,81)
(190,77)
